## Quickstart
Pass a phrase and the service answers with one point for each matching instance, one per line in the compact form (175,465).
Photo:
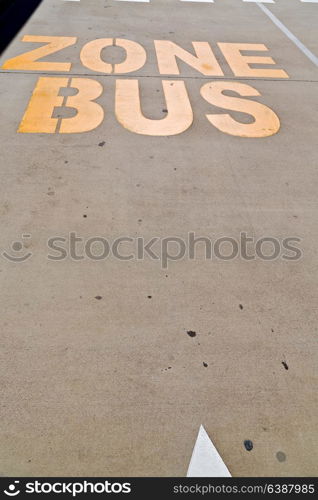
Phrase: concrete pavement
(99,375)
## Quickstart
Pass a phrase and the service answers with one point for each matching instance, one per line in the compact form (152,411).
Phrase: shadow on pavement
(13,15)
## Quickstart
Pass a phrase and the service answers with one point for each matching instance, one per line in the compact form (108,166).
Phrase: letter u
(129,114)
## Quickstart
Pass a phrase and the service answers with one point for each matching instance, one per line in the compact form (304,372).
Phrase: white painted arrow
(205,460)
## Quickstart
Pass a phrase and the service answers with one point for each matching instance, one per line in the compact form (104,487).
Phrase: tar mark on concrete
(17,246)
(191,333)
(248,445)
(85,216)
(149,296)
(241,306)
(205,365)
(98,297)
(101,144)
(285,365)
(281,457)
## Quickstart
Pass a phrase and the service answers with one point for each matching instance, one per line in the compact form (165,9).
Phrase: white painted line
(309,1)
(289,34)
(205,460)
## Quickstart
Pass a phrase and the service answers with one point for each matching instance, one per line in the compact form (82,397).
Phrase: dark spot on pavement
(66,161)
(205,365)
(98,297)
(241,306)
(85,216)
(191,333)
(165,111)
(285,365)
(272,330)
(17,246)
(248,445)
(281,457)
(149,296)
(101,144)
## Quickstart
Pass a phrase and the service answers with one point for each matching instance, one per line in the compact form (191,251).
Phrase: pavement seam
(162,77)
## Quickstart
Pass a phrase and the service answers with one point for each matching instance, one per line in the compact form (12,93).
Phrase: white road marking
(205,460)
(289,34)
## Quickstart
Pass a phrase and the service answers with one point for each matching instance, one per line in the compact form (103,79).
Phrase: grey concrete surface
(115,386)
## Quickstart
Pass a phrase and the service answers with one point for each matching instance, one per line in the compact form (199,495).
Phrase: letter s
(126,488)
(266,122)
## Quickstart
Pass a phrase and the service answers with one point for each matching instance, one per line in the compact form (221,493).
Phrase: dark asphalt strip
(13,15)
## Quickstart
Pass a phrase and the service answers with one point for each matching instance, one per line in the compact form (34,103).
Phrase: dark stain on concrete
(98,297)
(191,333)
(285,365)
(281,457)
(241,306)
(101,144)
